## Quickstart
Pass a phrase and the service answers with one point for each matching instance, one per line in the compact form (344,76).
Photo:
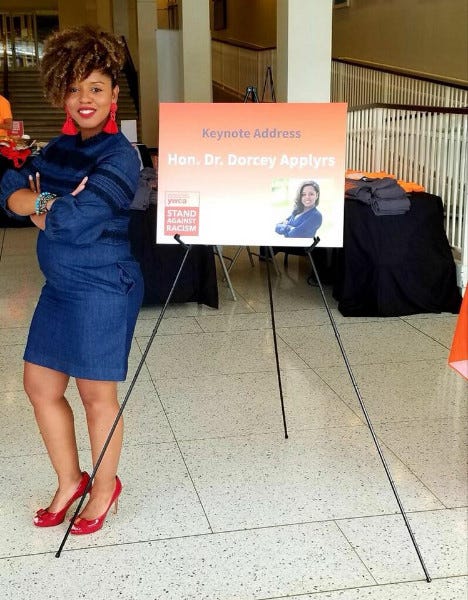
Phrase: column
(147,60)
(304,39)
(196,51)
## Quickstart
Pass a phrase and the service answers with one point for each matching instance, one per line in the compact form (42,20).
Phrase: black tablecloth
(396,265)
(160,263)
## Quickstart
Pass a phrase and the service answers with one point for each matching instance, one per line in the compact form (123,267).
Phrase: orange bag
(458,357)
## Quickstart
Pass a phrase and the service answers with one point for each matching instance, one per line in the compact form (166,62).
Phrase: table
(396,265)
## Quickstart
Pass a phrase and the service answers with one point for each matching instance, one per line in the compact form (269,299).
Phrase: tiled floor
(217,504)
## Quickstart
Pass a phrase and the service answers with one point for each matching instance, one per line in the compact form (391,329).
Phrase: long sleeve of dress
(83,218)
(101,209)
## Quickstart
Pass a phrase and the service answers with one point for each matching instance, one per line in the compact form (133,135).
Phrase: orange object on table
(408,186)
(458,357)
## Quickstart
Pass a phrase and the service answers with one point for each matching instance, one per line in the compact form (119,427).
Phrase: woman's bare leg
(101,405)
(45,389)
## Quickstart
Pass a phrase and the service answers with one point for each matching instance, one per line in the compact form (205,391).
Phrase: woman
(77,192)
(305,218)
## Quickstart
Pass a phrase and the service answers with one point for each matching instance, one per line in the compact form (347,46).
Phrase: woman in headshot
(305,219)
(77,191)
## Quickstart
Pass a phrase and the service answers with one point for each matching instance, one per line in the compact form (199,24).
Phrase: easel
(135,377)
(269,81)
(218,250)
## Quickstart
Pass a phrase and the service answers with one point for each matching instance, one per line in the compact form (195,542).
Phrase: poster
(269,174)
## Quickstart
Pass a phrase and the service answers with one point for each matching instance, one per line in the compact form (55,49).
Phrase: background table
(396,265)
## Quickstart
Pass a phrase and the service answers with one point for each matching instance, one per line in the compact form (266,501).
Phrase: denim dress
(85,317)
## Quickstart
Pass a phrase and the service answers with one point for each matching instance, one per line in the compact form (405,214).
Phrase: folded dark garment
(378,213)
(390,192)
(359,193)
(390,207)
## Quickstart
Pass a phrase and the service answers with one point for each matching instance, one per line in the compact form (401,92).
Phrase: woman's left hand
(35,183)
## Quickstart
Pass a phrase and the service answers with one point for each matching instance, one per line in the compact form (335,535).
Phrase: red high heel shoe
(84,526)
(44,518)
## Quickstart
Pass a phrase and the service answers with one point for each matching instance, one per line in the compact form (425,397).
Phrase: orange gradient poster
(266,174)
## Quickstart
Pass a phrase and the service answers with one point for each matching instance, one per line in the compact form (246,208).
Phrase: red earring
(69,127)
(111,125)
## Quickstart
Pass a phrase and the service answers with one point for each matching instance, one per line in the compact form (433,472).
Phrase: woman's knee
(97,395)
(42,384)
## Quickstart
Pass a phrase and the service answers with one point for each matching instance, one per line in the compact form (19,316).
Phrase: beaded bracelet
(41,202)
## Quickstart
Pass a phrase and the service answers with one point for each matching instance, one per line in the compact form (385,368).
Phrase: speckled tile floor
(217,504)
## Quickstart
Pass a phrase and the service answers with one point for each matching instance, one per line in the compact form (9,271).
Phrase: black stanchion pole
(127,396)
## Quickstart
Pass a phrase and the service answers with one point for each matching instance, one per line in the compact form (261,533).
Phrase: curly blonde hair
(73,54)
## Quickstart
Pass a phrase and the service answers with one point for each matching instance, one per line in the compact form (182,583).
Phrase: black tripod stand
(251,94)
(269,82)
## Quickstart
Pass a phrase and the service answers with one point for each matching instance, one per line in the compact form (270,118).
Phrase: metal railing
(236,66)
(359,85)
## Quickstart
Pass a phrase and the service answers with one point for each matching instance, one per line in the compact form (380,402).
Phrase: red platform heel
(84,526)
(44,518)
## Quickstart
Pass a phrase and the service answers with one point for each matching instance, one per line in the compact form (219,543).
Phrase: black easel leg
(251,92)
(127,395)
(308,251)
(273,326)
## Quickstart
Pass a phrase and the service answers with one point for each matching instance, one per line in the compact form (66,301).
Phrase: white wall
(429,37)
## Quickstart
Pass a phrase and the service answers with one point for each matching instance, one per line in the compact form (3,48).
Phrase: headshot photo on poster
(305,218)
